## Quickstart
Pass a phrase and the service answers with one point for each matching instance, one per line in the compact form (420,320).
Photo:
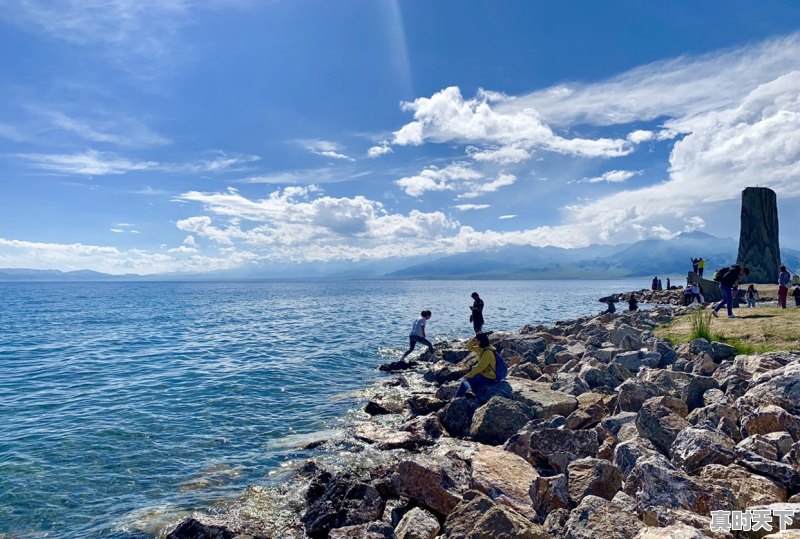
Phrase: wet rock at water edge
(194,529)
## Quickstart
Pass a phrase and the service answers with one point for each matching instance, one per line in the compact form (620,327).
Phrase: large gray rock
(543,401)
(417,524)
(435,482)
(780,387)
(372,530)
(194,529)
(659,424)
(632,393)
(694,448)
(556,447)
(597,517)
(549,494)
(637,359)
(785,475)
(503,476)
(335,501)
(748,489)
(687,387)
(593,476)
(673,531)
(497,420)
(456,417)
(479,517)
(629,452)
(759,248)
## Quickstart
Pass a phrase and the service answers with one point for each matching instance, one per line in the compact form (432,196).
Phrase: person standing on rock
(669,286)
(477,313)
(418,334)
(783,286)
(654,285)
(727,278)
(796,295)
(484,373)
(696,293)
(701,266)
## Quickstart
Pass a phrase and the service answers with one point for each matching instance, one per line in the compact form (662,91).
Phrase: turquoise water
(119,400)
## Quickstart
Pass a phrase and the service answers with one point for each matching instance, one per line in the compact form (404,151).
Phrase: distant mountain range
(643,258)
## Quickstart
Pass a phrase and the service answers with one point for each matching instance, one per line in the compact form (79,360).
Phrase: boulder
(790,510)
(529,371)
(444,372)
(555,522)
(435,482)
(761,363)
(785,475)
(335,501)
(676,405)
(780,387)
(721,351)
(383,408)
(194,529)
(716,397)
(747,489)
(628,453)
(543,401)
(625,337)
(548,494)
(555,448)
(770,418)
(605,354)
(456,417)
(372,530)
(570,383)
(584,418)
(632,393)
(497,420)
(590,476)
(417,524)
(424,427)
(504,477)
(451,355)
(614,423)
(398,366)
(424,405)
(597,517)
(770,448)
(684,386)
(524,345)
(694,448)
(653,482)
(387,439)
(660,425)
(478,517)
(674,531)
(625,502)
(637,359)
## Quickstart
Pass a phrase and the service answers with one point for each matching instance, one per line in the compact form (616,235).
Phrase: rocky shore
(600,431)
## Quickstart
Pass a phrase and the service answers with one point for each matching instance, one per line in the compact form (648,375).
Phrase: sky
(149,136)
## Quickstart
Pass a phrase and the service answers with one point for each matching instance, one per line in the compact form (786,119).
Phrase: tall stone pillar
(759,249)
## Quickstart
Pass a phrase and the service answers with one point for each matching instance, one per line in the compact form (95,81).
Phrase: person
(484,373)
(783,286)
(696,293)
(701,266)
(658,285)
(728,277)
(632,303)
(669,286)
(654,285)
(611,307)
(418,334)
(477,313)
(687,295)
(752,296)
(694,265)
(796,294)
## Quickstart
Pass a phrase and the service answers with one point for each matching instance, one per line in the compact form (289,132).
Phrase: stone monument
(759,249)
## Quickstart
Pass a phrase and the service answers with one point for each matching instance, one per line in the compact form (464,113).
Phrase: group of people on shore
(698,266)
(489,368)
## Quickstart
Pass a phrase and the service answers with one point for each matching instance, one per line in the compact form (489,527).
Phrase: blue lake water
(125,399)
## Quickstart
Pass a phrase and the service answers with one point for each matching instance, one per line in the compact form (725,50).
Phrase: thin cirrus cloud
(613,176)
(471,207)
(95,163)
(325,148)
(116,131)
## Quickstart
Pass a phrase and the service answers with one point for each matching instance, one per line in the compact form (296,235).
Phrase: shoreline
(598,417)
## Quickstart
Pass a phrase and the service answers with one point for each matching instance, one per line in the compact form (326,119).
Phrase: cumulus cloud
(504,155)
(613,176)
(380,149)
(478,189)
(447,117)
(437,179)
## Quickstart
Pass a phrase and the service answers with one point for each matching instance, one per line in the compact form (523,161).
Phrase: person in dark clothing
(669,286)
(752,296)
(728,277)
(477,313)
(632,303)
(694,264)
(611,307)
(796,295)
(654,284)
(784,278)
(687,295)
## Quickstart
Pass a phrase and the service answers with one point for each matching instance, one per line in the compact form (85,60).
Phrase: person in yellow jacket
(483,374)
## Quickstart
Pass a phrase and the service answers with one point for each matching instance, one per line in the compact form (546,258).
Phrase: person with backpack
(418,334)
(727,278)
(783,286)
(796,295)
(489,369)
(477,313)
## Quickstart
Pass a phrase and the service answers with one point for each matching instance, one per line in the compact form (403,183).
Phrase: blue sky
(150,136)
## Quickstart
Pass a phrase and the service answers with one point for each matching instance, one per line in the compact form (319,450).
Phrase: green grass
(701,325)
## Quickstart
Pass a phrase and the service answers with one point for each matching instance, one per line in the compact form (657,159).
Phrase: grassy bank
(763,329)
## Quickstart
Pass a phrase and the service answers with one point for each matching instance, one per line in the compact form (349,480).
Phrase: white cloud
(381,149)
(438,179)
(477,189)
(94,163)
(325,148)
(507,216)
(694,223)
(505,155)
(613,176)
(447,117)
(468,207)
(640,135)
(118,131)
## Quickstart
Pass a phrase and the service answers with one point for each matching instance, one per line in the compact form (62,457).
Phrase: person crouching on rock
(418,334)
(484,373)
(633,304)
(611,307)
